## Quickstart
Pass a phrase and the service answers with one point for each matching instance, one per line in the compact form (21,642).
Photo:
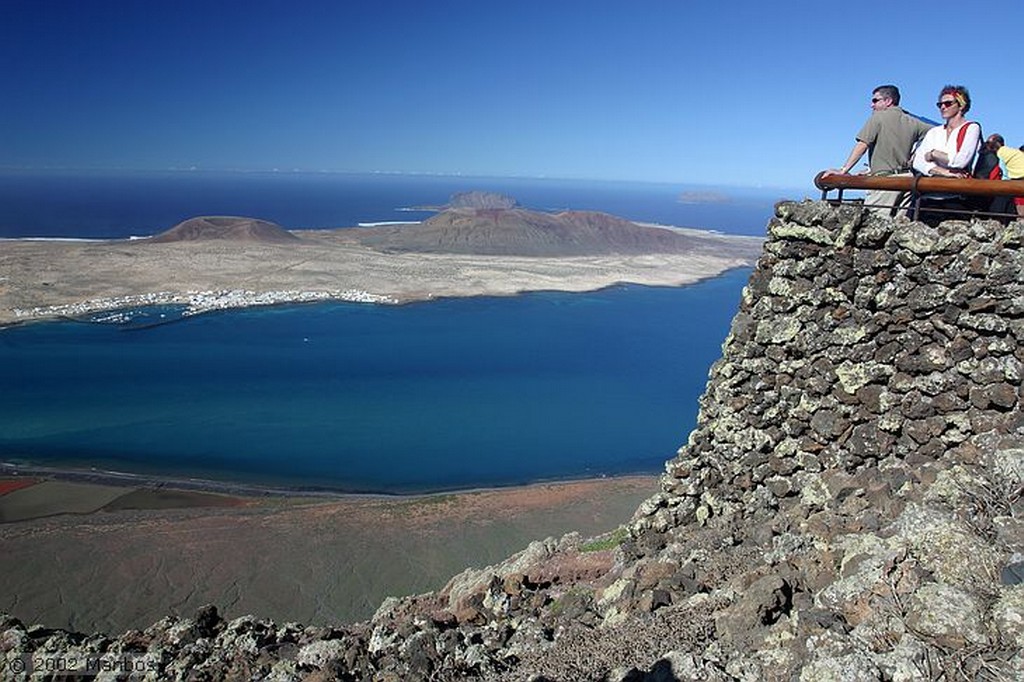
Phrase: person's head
(885,96)
(953,100)
(995,141)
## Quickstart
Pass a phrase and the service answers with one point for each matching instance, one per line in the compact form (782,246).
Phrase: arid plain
(45,279)
(99,557)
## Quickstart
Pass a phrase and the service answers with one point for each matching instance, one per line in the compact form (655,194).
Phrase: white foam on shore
(389,222)
(684,230)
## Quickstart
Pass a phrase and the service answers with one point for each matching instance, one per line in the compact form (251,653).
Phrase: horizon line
(397,173)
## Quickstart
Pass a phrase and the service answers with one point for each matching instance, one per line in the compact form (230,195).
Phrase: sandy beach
(54,278)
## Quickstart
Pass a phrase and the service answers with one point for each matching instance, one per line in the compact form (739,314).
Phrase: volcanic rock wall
(860,341)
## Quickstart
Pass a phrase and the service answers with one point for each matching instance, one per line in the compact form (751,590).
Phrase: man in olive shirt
(889,137)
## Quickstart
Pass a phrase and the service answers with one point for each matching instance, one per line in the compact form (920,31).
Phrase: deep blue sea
(430,396)
(110,206)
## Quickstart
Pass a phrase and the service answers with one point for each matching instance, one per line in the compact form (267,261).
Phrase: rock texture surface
(478,199)
(848,507)
(225,228)
(521,232)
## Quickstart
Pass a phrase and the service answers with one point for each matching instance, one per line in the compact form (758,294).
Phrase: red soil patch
(9,485)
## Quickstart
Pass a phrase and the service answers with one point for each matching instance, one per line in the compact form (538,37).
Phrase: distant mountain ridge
(488,224)
(231,228)
(522,232)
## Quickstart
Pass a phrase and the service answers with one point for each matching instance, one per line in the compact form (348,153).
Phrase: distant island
(480,244)
(707,197)
(478,199)
(473,199)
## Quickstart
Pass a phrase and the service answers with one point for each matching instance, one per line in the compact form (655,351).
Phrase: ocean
(442,395)
(104,205)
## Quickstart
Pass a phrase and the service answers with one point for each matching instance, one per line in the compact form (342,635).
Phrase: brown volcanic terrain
(520,232)
(460,252)
(225,227)
(70,548)
(478,199)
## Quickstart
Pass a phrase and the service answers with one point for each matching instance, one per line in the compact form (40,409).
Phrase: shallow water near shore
(443,395)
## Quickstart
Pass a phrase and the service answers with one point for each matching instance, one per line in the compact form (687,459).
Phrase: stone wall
(860,342)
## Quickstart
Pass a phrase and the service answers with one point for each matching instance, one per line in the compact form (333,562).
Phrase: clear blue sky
(736,92)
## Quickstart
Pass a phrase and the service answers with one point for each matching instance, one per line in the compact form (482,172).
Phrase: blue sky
(724,93)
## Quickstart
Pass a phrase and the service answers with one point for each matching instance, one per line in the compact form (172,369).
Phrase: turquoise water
(431,396)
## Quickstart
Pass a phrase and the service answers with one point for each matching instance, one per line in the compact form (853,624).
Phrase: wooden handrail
(921,184)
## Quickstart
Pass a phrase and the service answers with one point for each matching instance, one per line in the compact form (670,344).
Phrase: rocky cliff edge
(848,507)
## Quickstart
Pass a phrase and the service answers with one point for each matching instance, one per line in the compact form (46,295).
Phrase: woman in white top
(949,149)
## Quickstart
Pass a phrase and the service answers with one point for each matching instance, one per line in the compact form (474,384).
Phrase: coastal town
(193,302)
